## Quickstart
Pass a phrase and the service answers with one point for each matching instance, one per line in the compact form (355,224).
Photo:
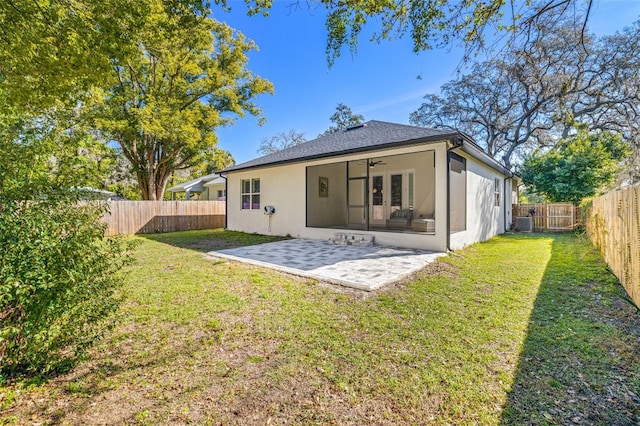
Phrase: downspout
(226,201)
(456,143)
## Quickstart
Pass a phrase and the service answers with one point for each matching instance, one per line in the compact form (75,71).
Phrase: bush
(59,283)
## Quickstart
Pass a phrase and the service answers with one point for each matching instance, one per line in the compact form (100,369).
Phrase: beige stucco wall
(330,210)
(210,192)
(204,195)
(484,219)
(284,187)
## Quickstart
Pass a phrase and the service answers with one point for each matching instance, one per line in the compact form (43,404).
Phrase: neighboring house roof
(217,181)
(370,136)
(90,190)
(88,193)
(197,184)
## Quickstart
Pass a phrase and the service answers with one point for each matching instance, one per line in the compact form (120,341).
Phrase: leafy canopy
(188,78)
(541,91)
(342,119)
(217,159)
(578,167)
(439,23)
(57,50)
(56,56)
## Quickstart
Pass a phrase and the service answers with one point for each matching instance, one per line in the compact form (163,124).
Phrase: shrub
(59,283)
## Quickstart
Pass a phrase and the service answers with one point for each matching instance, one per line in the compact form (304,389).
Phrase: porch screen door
(357,203)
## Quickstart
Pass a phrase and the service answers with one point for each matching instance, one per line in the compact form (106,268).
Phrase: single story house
(206,188)
(406,186)
(94,194)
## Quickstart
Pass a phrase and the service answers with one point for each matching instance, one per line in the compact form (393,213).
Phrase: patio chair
(400,219)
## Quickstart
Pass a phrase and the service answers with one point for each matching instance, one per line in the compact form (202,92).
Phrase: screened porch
(394,193)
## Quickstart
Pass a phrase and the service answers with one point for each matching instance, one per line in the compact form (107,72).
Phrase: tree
(58,54)
(541,92)
(219,159)
(48,151)
(80,160)
(596,108)
(435,23)
(438,23)
(58,273)
(342,119)
(576,168)
(280,141)
(56,51)
(188,76)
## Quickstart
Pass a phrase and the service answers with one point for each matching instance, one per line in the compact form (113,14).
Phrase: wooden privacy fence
(146,217)
(549,216)
(613,224)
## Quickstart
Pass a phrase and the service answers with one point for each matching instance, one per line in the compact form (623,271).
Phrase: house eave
(471,148)
(379,147)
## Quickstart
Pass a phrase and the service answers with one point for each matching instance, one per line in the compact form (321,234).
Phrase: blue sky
(380,82)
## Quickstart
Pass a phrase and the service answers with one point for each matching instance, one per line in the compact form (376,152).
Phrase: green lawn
(523,329)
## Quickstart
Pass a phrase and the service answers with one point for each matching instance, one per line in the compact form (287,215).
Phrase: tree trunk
(161,186)
(147,185)
(148,194)
(153,185)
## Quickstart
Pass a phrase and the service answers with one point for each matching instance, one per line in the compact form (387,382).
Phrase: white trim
(252,193)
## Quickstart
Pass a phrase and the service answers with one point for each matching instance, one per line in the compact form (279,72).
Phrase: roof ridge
(411,126)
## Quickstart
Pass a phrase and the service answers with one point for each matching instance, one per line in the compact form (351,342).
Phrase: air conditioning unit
(524,224)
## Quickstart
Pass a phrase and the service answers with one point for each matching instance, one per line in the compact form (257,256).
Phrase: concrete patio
(364,268)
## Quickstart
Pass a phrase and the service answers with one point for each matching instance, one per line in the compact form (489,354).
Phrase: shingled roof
(369,136)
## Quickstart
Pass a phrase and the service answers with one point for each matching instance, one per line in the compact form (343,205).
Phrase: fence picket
(613,225)
(549,216)
(145,217)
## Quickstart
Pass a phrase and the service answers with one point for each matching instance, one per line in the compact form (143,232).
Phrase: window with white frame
(250,194)
(497,187)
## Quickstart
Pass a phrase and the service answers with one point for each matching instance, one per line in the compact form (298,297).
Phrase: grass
(517,330)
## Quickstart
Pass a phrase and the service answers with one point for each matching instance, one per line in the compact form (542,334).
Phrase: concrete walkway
(365,268)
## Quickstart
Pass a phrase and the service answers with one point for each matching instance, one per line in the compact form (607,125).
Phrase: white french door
(377,191)
(389,191)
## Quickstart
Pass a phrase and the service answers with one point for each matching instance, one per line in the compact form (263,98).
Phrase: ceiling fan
(372,163)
